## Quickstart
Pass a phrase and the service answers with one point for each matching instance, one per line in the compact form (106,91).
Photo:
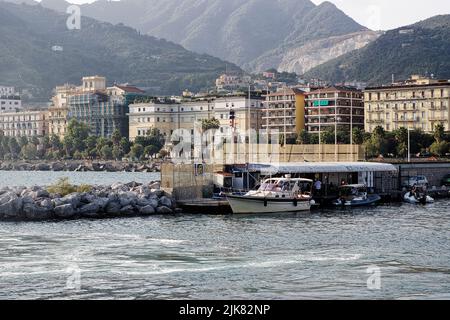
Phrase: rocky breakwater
(81,166)
(117,200)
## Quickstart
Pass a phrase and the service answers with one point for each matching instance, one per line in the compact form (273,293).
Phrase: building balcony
(407,120)
(375,121)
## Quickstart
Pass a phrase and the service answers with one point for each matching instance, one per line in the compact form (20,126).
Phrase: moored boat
(275,195)
(355,195)
(418,195)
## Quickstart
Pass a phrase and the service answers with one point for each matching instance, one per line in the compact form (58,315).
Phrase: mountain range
(254,34)
(38,52)
(421,48)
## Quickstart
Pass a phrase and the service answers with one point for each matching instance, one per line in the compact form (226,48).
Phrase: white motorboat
(275,195)
(418,195)
(355,195)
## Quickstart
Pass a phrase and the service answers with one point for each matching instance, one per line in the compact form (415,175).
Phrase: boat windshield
(285,186)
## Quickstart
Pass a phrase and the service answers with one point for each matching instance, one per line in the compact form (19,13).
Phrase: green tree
(151,151)
(29,152)
(91,142)
(14,148)
(304,137)
(328,136)
(137,151)
(125,145)
(23,141)
(401,139)
(77,132)
(440,148)
(106,152)
(117,153)
(358,136)
(439,133)
(55,142)
(116,137)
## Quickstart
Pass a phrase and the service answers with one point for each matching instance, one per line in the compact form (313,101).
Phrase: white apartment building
(7,91)
(26,123)
(9,100)
(167,116)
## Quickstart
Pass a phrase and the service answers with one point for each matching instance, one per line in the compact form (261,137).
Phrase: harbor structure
(284,110)
(335,108)
(30,123)
(417,103)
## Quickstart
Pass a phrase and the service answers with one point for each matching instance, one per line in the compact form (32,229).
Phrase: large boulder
(34,212)
(147,210)
(57,166)
(41,193)
(10,205)
(42,167)
(164,210)
(113,207)
(65,211)
(127,210)
(166,202)
(73,199)
(155,185)
(89,210)
(119,187)
(133,184)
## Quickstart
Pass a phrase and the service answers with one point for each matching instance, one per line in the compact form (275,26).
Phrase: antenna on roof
(393,78)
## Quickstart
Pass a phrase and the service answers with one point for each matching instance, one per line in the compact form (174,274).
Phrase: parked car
(416,181)
(446,181)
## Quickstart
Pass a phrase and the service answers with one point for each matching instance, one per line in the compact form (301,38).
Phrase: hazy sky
(390,14)
(383,14)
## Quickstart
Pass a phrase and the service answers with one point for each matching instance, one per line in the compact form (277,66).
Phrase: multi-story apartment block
(284,111)
(58,115)
(7,91)
(104,109)
(337,108)
(24,123)
(418,103)
(167,115)
(9,100)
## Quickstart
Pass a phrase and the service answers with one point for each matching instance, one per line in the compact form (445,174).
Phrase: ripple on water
(320,255)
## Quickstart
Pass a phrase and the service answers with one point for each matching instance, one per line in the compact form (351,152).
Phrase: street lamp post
(409,144)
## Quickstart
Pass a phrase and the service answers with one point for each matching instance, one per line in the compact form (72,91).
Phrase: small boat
(418,195)
(275,195)
(355,195)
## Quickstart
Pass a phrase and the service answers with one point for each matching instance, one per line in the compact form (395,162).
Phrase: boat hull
(370,201)
(247,205)
(413,200)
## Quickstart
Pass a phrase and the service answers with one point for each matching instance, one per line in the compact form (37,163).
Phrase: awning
(321,167)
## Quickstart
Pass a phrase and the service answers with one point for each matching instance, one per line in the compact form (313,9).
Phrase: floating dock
(205,206)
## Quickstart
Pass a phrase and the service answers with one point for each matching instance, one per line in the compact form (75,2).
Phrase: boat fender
(295,203)
(265,202)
